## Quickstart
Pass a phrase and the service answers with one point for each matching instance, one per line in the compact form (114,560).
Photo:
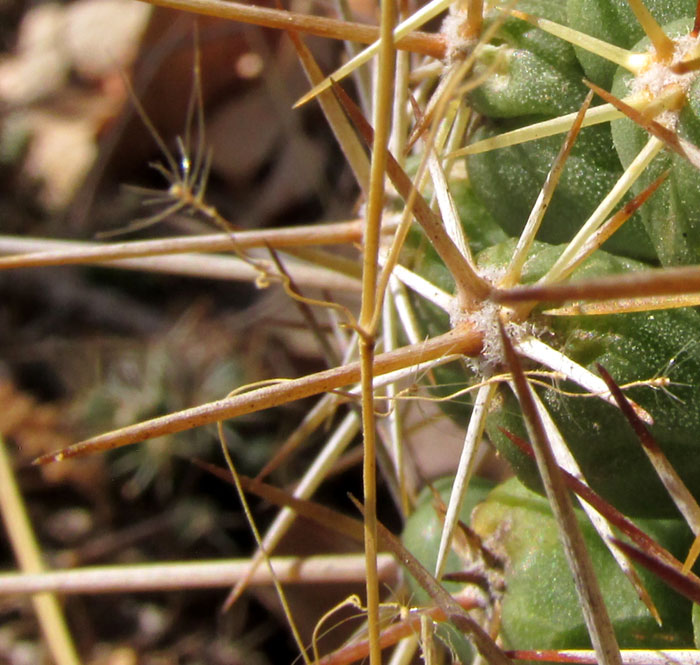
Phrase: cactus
(517,526)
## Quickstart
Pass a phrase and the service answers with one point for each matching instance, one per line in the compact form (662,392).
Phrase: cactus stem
(595,116)
(611,514)
(631,174)
(527,237)
(568,463)
(633,62)
(684,500)
(595,613)
(609,227)
(687,585)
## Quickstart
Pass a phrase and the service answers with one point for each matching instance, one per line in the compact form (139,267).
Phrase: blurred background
(86,350)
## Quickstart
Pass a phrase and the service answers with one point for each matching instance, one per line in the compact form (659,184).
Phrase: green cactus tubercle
(531,77)
(539,605)
(533,65)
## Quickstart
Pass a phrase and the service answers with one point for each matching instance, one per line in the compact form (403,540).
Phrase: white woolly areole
(457,44)
(486,320)
(654,79)
(458,315)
